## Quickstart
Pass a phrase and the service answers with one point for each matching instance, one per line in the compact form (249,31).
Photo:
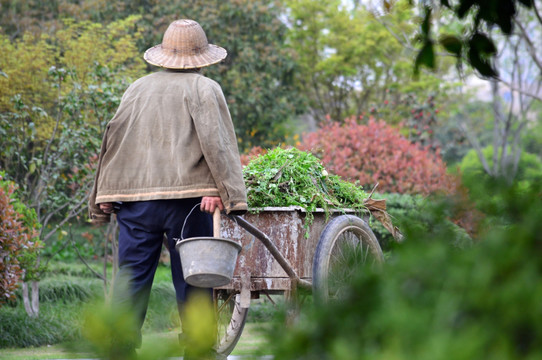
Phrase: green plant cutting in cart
(291,177)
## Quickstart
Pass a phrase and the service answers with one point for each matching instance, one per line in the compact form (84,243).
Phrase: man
(169,151)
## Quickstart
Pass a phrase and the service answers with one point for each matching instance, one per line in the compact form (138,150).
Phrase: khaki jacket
(172,137)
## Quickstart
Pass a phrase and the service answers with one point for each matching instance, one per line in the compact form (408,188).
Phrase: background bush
(400,207)
(375,152)
(82,239)
(476,178)
(19,243)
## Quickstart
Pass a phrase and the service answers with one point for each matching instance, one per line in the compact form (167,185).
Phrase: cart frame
(295,250)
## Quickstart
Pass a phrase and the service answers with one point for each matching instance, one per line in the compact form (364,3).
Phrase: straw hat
(184,46)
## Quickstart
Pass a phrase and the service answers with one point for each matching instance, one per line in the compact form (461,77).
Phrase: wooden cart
(287,248)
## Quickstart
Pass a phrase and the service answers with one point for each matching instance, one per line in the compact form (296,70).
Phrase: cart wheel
(231,318)
(346,243)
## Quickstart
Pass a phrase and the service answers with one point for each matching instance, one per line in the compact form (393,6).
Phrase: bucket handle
(216,222)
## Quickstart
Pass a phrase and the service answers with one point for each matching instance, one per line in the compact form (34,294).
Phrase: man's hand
(209,203)
(107,207)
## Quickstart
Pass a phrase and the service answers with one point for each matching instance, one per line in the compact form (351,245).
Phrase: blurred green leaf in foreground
(434,299)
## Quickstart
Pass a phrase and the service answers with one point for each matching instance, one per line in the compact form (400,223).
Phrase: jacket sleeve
(218,142)
(97,216)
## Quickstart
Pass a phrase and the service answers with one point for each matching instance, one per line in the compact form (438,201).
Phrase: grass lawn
(66,290)
(251,342)
(68,287)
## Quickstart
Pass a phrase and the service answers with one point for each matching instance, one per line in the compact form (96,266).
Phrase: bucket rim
(232,242)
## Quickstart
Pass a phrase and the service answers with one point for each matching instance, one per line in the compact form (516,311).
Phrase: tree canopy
(353,59)
(257,75)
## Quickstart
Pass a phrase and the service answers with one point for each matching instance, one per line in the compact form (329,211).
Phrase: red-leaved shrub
(254,152)
(13,238)
(378,153)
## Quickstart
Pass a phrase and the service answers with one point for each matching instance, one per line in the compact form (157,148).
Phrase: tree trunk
(35,286)
(498,136)
(31,299)
(26,300)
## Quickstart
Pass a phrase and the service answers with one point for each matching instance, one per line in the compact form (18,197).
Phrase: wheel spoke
(348,254)
(346,245)
(230,320)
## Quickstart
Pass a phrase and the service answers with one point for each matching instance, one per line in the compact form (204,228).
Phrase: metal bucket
(208,261)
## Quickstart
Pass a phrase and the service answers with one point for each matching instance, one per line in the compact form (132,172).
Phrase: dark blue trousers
(142,226)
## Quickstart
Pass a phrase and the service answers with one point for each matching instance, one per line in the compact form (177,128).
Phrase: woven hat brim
(157,56)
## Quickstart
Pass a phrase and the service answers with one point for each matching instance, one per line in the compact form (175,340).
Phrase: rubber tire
(238,318)
(333,231)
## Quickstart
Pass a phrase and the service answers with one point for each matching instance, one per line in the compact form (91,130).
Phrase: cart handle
(216,223)
(272,249)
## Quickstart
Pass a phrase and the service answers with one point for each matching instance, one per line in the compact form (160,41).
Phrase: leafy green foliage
(433,300)
(109,331)
(257,75)
(426,55)
(399,207)
(75,241)
(422,124)
(295,178)
(377,153)
(475,178)
(51,132)
(533,139)
(352,59)
(199,325)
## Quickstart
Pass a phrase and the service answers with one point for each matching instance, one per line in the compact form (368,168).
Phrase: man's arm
(218,143)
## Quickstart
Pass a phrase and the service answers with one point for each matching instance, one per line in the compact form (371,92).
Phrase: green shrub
(434,300)
(533,138)
(20,330)
(476,179)
(402,208)
(399,207)
(62,299)
(65,245)
(57,323)
(66,290)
